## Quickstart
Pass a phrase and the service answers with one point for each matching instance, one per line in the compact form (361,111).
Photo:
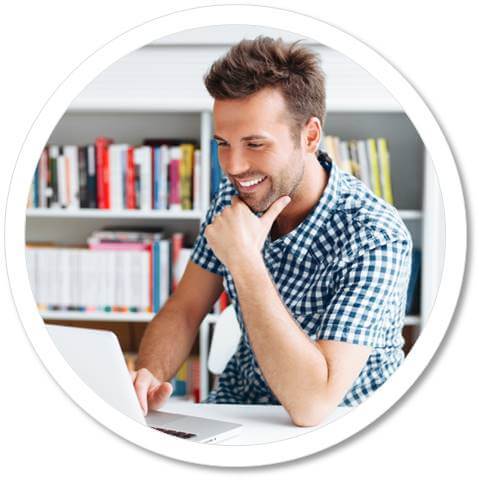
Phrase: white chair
(226,336)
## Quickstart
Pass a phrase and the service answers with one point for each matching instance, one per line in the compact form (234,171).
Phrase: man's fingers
(143,383)
(274,211)
(159,395)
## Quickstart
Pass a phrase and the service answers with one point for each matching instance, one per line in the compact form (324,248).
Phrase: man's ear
(312,134)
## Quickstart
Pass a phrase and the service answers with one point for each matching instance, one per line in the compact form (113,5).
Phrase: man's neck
(308,194)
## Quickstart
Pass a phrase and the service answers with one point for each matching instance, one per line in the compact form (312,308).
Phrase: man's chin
(257,207)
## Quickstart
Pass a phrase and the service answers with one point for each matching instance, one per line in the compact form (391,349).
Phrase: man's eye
(221,144)
(255,145)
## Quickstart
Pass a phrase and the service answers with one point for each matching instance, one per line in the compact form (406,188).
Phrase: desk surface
(261,423)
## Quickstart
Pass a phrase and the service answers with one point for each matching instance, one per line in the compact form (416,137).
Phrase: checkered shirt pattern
(342,274)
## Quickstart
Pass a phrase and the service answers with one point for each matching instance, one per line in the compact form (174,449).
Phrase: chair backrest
(226,336)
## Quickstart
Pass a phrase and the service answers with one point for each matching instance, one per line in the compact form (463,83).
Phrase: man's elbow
(312,416)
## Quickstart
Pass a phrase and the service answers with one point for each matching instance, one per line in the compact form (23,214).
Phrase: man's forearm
(294,368)
(166,343)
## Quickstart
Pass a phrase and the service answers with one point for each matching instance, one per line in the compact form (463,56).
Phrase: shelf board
(99,213)
(412,320)
(145,214)
(141,105)
(99,316)
(198,105)
(409,319)
(411,214)
(142,317)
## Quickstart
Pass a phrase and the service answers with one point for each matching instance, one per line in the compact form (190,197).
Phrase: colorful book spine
(103,172)
(384,160)
(186,175)
(82,177)
(157,172)
(91,177)
(174,200)
(374,167)
(130,180)
(112,176)
(177,240)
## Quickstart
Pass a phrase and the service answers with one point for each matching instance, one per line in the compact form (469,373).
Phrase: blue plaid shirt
(342,274)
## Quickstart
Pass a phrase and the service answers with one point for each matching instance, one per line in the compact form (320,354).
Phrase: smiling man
(316,266)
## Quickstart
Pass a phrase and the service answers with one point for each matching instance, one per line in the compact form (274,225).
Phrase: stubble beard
(285,184)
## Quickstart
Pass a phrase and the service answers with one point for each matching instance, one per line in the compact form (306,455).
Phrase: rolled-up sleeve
(365,289)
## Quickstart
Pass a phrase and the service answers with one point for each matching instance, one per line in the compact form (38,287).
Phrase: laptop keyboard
(175,433)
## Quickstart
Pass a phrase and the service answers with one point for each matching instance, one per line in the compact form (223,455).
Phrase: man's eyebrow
(244,139)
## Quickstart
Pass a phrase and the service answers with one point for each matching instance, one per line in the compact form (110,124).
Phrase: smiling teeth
(253,182)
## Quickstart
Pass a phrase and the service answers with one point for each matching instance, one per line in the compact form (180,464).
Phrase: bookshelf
(157,91)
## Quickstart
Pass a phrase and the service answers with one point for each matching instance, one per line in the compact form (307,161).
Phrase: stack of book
(160,175)
(368,160)
(186,382)
(118,271)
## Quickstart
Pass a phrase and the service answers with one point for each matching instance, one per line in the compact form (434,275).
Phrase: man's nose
(234,163)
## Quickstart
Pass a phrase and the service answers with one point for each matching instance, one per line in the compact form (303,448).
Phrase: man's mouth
(250,185)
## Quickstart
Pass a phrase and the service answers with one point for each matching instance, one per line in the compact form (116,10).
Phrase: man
(316,266)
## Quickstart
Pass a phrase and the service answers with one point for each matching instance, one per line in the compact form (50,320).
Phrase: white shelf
(411,214)
(198,105)
(409,319)
(141,105)
(99,316)
(146,214)
(99,213)
(412,320)
(142,317)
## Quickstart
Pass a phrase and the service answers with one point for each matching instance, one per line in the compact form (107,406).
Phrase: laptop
(96,357)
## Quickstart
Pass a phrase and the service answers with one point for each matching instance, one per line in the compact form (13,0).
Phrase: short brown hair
(251,65)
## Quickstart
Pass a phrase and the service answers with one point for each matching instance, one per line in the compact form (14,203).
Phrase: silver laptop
(96,357)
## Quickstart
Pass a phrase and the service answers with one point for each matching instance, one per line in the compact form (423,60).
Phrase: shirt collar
(300,239)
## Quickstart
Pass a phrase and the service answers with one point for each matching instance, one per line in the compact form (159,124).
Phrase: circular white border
(424,348)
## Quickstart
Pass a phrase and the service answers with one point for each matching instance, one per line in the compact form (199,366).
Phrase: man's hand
(237,232)
(151,392)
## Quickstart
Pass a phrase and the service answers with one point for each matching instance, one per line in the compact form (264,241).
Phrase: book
(196,179)
(177,240)
(82,177)
(52,188)
(364,164)
(164,176)
(174,197)
(143,161)
(91,177)
(186,175)
(384,161)
(130,193)
(374,167)
(70,153)
(216,173)
(103,172)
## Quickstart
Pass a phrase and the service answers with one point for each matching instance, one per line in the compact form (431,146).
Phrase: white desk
(261,423)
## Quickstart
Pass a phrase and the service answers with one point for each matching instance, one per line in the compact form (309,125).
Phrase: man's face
(254,143)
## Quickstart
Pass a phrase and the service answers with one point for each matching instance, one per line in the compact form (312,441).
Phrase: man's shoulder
(364,220)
